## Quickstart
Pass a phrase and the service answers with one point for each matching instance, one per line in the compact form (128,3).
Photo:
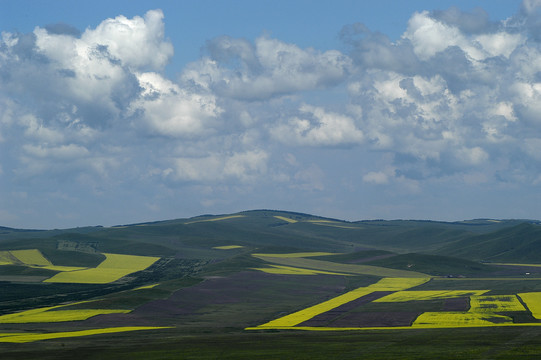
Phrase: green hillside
(520,243)
(214,279)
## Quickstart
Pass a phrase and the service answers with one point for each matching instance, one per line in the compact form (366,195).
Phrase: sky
(118,112)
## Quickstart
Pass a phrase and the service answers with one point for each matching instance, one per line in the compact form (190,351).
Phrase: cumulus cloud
(456,98)
(465,95)
(245,166)
(170,110)
(376,177)
(316,127)
(239,69)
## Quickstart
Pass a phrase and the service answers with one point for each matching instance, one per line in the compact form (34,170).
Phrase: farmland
(113,268)
(268,284)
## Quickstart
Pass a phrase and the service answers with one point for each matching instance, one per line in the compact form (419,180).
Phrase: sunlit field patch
(495,303)
(397,284)
(51,314)
(31,257)
(533,302)
(286,219)
(459,319)
(331,223)
(509,264)
(216,219)
(6,258)
(337,226)
(151,286)
(301,260)
(114,267)
(31,337)
(297,255)
(386,284)
(402,296)
(228,247)
(323,221)
(290,270)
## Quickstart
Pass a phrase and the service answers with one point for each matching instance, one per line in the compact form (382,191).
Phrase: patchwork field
(30,337)
(300,260)
(352,311)
(228,247)
(274,285)
(114,267)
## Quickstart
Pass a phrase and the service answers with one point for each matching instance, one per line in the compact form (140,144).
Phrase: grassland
(286,219)
(295,255)
(221,218)
(227,247)
(302,262)
(376,290)
(386,284)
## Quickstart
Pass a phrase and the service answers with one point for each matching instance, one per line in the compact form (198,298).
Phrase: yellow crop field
(459,319)
(323,221)
(495,303)
(386,284)
(336,226)
(296,255)
(57,316)
(61,268)
(308,313)
(300,260)
(533,302)
(290,270)
(509,264)
(146,287)
(31,337)
(114,267)
(228,247)
(402,296)
(6,258)
(50,314)
(286,219)
(216,219)
(31,257)
(396,284)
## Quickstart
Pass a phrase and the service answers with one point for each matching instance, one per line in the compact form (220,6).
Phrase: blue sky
(126,111)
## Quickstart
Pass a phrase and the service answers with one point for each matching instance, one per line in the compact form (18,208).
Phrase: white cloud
(316,127)
(63,152)
(473,156)
(172,111)
(376,177)
(430,36)
(245,166)
(239,69)
(456,99)
(137,42)
(309,178)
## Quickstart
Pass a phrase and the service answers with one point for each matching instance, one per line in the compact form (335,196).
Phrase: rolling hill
(205,280)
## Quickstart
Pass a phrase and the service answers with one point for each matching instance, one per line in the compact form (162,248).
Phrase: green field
(273,284)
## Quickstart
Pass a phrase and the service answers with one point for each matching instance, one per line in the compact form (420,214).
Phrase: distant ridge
(271,212)
(521,242)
